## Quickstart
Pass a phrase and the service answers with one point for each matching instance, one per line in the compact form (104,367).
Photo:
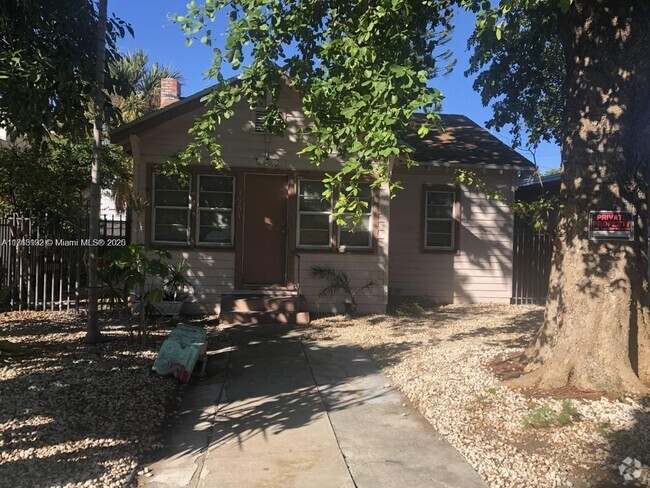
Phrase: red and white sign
(610,225)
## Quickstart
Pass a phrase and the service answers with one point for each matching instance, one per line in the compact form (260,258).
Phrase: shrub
(338,282)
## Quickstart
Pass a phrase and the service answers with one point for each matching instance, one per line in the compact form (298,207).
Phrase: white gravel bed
(72,414)
(440,360)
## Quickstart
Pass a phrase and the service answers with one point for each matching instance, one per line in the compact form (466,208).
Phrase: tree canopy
(47,66)
(135,83)
(54,182)
(362,69)
(519,68)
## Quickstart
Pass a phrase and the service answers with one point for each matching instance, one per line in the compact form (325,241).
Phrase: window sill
(213,247)
(440,251)
(188,246)
(167,244)
(331,250)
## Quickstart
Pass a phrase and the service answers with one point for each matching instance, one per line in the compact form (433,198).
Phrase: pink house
(258,226)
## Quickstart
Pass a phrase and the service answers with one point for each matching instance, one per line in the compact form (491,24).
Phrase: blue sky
(164,42)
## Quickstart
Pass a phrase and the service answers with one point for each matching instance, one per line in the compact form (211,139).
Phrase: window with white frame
(359,236)
(171,210)
(314,215)
(215,210)
(440,220)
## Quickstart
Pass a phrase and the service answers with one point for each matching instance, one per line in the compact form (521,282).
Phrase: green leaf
(398,70)
(564,5)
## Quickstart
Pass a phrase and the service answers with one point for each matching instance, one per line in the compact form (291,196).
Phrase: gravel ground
(440,360)
(72,414)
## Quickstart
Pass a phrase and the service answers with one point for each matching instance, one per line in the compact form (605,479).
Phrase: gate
(531,265)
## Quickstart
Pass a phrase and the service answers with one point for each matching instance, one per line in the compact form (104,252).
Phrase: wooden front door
(264,246)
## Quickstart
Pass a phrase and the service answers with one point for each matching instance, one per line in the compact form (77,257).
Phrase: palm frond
(135,84)
(337,281)
(370,284)
(122,194)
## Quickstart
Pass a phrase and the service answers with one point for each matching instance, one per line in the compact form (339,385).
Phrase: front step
(237,303)
(263,309)
(231,318)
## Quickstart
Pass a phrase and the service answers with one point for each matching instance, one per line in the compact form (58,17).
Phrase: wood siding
(481,269)
(212,272)
(360,268)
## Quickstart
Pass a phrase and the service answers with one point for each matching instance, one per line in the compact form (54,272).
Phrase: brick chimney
(170,91)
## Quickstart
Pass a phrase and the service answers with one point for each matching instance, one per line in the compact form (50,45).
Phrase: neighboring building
(107,208)
(533,187)
(259,225)
(4,139)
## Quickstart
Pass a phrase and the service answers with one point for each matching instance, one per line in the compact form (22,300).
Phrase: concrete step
(237,303)
(230,317)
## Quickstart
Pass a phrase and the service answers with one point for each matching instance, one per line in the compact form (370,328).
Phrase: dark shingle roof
(463,143)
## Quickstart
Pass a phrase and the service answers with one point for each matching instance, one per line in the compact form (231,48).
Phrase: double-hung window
(314,215)
(215,209)
(360,236)
(315,222)
(440,220)
(171,210)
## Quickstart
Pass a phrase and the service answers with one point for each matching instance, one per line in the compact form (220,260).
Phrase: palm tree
(136,84)
(135,91)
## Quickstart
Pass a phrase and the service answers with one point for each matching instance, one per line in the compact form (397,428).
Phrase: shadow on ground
(72,412)
(522,329)
(277,403)
(633,442)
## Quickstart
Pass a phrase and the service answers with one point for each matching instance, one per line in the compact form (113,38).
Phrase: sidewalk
(279,412)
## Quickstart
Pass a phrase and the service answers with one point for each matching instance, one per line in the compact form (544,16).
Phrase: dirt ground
(449,361)
(78,415)
(73,414)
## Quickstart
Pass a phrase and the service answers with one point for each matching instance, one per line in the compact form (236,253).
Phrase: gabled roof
(121,135)
(463,143)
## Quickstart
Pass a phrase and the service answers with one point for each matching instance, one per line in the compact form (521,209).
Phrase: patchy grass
(545,416)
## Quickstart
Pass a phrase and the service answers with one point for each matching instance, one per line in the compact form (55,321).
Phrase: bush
(409,306)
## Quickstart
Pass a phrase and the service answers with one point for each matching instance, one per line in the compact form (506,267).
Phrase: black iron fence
(531,265)
(43,264)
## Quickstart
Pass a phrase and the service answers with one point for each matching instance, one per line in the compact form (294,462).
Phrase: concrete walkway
(279,412)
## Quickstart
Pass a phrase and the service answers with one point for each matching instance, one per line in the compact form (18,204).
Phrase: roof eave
(474,166)
(120,136)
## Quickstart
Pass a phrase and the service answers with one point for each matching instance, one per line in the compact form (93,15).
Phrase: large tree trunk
(93,333)
(596,332)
